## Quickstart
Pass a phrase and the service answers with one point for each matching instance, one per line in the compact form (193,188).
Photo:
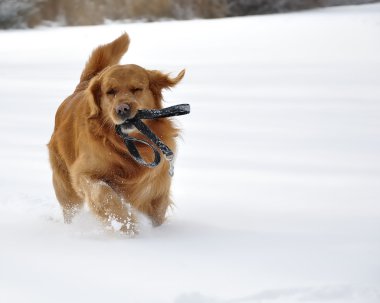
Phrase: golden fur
(90,162)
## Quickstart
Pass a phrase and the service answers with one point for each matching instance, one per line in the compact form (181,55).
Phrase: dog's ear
(159,81)
(95,94)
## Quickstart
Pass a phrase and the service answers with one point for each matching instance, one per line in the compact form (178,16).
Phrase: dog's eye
(136,90)
(112,92)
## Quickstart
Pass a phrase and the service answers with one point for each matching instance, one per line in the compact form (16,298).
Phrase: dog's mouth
(127,127)
(124,122)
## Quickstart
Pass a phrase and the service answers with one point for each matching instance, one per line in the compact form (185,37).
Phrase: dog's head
(119,91)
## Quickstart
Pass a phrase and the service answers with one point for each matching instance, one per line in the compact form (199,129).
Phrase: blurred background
(32,13)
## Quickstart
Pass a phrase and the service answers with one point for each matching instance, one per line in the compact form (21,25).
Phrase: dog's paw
(126,227)
(129,229)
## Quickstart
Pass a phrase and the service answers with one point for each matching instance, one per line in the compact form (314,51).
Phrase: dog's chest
(146,192)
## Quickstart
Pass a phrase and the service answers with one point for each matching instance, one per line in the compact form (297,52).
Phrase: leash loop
(131,146)
(176,110)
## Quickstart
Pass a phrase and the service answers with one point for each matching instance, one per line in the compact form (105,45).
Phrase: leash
(130,142)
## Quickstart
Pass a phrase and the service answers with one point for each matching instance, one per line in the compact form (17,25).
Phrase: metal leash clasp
(170,159)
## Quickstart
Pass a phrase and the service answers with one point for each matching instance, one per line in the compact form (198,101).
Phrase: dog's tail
(105,55)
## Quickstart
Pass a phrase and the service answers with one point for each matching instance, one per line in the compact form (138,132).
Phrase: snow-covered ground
(277,183)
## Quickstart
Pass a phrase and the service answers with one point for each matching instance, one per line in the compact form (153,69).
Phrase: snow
(277,178)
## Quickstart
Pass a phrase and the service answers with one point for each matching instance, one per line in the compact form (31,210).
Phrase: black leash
(176,110)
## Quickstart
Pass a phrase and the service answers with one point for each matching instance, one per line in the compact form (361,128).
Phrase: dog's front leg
(107,204)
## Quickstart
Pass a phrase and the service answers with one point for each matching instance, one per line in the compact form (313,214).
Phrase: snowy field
(277,183)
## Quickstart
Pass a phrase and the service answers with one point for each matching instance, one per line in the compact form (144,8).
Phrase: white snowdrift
(277,184)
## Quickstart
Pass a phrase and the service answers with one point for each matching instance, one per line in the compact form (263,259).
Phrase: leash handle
(171,111)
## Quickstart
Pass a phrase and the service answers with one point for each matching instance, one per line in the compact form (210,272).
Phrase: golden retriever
(90,162)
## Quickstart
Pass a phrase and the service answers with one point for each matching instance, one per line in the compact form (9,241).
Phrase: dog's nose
(123,111)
